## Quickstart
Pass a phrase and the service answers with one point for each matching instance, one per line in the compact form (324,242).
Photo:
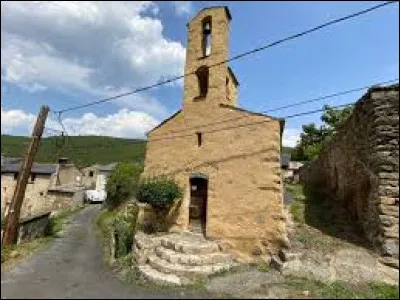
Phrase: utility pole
(11,230)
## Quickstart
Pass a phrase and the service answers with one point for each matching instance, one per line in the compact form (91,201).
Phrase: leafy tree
(313,138)
(122,183)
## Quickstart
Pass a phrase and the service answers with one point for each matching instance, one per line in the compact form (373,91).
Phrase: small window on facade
(199,139)
(91,173)
(15,176)
(33,177)
(206,43)
(202,78)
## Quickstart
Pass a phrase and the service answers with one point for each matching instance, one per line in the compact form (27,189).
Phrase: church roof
(280,120)
(165,121)
(233,76)
(250,112)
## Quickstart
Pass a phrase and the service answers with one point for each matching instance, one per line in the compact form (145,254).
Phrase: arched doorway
(198,203)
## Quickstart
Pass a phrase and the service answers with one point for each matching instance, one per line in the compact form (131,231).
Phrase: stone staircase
(179,258)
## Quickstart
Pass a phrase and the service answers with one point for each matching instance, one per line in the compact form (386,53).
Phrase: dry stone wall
(359,168)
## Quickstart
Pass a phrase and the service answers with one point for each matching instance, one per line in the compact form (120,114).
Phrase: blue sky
(68,54)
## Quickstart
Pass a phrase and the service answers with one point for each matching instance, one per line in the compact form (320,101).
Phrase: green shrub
(160,192)
(122,184)
(123,226)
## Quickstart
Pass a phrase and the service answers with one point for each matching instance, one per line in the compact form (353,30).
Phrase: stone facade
(45,190)
(35,194)
(360,167)
(90,176)
(237,151)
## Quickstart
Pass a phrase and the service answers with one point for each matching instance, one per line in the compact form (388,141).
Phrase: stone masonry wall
(35,194)
(359,167)
(33,228)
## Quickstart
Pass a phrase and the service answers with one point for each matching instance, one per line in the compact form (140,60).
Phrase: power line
(233,58)
(290,105)
(328,96)
(253,123)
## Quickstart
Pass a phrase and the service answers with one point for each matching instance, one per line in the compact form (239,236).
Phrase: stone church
(226,159)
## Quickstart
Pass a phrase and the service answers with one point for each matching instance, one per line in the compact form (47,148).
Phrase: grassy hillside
(82,150)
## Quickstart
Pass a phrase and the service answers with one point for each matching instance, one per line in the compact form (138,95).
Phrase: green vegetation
(57,222)
(81,150)
(263,267)
(313,138)
(122,183)
(117,229)
(319,223)
(160,192)
(12,253)
(343,290)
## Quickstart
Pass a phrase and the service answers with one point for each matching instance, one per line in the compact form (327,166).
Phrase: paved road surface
(72,267)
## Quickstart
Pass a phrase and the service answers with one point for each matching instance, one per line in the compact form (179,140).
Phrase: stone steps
(191,259)
(191,272)
(180,259)
(158,277)
(193,246)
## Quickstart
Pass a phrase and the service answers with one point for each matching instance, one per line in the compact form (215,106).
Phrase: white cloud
(183,8)
(92,47)
(291,136)
(14,120)
(124,123)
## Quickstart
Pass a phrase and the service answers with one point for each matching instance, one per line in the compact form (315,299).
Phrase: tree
(313,138)
(122,183)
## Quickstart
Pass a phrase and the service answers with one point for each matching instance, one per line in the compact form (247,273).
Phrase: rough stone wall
(87,180)
(38,199)
(67,174)
(360,167)
(33,228)
(35,194)
(59,200)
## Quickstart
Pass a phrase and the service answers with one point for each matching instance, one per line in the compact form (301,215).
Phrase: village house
(95,177)
(290,168)
(48,189)
(226,159)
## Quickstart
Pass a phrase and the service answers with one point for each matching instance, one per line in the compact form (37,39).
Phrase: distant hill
(82,150)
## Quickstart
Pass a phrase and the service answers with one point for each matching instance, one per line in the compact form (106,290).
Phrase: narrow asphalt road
(73,267)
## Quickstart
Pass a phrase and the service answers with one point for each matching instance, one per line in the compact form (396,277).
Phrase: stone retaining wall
(359,168)
(33,228)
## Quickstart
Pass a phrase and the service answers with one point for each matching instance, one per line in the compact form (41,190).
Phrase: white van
(95,196)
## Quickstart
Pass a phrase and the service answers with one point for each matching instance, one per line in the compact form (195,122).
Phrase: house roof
(11,160)
(108,167)
(228,13)
(285,160)
(36,168)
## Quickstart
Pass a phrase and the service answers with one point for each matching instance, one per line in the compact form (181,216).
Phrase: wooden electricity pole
(11,230)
